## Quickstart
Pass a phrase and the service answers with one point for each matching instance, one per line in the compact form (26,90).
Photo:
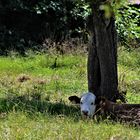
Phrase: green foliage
(69,16)
(53,19)
(127,19)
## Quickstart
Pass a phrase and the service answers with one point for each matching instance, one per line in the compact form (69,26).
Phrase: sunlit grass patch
(34,93)
(19,126)
(130,58)
(129,68)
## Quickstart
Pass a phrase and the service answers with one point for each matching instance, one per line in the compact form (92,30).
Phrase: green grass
(63,128)
(39,109)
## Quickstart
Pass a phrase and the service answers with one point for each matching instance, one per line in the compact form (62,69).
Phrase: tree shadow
(34,104)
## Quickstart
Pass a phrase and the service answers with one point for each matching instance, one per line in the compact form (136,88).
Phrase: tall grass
(34,93)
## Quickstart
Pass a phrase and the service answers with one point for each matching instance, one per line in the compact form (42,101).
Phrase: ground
(34,93)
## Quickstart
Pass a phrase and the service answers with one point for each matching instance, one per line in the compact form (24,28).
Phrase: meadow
(34,93)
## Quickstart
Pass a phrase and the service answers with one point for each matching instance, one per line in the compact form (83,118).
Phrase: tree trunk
(102,58)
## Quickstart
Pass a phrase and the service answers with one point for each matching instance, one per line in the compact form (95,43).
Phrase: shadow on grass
(34,104)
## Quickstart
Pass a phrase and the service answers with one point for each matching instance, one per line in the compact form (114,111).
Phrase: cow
(91,105)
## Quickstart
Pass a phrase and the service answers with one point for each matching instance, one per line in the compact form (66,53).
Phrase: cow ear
(100,100)
(75,99)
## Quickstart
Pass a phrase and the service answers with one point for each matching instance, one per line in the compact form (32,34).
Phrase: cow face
(87,104)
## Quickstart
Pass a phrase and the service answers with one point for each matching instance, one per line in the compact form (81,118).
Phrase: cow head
(87,104)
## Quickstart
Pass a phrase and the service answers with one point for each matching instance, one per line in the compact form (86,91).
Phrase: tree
(102,58)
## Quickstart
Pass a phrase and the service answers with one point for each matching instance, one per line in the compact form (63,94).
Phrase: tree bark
(102,58)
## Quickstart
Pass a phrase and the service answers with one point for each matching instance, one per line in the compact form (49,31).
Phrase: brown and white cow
(90,105)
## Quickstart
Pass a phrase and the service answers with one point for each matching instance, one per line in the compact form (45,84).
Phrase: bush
(127,20)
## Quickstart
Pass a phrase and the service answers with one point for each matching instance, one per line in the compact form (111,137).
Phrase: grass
(38,108)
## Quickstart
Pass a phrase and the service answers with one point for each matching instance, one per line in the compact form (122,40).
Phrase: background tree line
(26,23)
